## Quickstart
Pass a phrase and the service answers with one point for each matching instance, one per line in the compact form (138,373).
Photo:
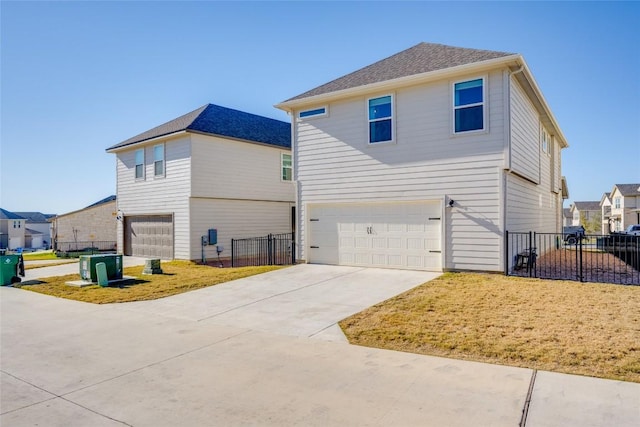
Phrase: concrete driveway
(231,357)
(305,300)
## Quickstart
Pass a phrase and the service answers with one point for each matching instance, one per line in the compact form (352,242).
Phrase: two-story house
(587,214)
(214,168)
(12,230)
(625,206)
(424,159)
(605,214)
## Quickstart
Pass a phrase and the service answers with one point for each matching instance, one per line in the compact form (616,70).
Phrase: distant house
(214,168)
(424,159)
(587,214)
(605,212)
(93,226)
(625,206)
(567,217)
(12,230)
(38,225)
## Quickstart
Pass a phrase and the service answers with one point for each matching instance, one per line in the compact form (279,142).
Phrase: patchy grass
(562,326)
(39,256)
(178,277)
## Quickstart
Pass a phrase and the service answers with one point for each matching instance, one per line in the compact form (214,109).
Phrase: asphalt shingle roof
(5,214)
(421,58)
(103,201)
(216,120)
(629,189)
(587,206)
(35,217)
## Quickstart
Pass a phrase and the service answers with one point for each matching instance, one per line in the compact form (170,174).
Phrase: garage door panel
(397,235)
(149,236)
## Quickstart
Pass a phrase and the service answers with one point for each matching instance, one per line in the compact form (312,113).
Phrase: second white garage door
(391,235)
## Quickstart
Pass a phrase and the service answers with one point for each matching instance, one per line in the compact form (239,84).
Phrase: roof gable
(627,189)
(419,59)
(216,120)
(587,206)
(35,217)
(5,214)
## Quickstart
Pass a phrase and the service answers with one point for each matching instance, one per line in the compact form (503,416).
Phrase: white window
(140,164)
(468,106)
(545,143)
(287,170)
(380,119)
(316,112)
(616,203)
(158,160)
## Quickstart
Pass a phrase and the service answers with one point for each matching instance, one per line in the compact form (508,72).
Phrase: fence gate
(585,258)
(273,249)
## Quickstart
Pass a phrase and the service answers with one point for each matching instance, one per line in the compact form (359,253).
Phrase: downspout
(509,162)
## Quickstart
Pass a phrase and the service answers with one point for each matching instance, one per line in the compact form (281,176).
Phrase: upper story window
(545,144)
(287,170)
(140,163)
(380,119)
(616,203)
(158,160)
(316,112)
(468,105)
(17,224)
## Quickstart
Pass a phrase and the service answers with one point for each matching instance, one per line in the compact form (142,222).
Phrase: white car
(633,230)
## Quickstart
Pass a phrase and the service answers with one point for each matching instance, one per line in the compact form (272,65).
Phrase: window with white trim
(616,203)
(380,113)
(286,167)
(140,164)
(545,143)
(316,112)
(468,106)
(158,160)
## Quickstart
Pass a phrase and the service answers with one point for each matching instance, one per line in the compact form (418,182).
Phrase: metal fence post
(232,252)
(270,249)
(506,253)
(530,249)
(580,251)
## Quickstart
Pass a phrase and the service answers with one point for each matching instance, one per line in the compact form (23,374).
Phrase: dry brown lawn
(177,277)
(579,328)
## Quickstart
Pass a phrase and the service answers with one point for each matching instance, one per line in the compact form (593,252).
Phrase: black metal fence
(75,249)
(585,258)
(273,249)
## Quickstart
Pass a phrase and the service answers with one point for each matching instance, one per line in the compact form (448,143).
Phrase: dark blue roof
(216,120)
(35,217)
(100,202)
(4,214)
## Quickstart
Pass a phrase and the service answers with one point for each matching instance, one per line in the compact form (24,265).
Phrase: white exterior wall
(228,169)
(235,219)
(525,134)
(335,163)
(158,195)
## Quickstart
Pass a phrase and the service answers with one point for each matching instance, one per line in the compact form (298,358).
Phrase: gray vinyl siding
(334,163)
(525,134)
(229,169)
(235,219)
(158,195)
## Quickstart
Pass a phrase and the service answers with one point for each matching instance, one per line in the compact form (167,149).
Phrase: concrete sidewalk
(66,363)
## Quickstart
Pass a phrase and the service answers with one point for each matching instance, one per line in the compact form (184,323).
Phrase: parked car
(573,233)
(633,230)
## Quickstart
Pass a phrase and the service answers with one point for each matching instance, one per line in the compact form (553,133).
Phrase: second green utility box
(112,262)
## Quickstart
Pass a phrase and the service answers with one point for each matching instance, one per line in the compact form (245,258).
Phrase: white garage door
(391,235)
(149,236)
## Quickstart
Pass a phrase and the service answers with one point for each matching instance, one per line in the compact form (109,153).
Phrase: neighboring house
(38,229)
(424,159)
(605,214)
(567,218)
(93,226)
(625,206)
(213,168)
(12,230)
(588,215)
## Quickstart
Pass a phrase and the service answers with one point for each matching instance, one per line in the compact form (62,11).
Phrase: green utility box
(9,269)
(113,263)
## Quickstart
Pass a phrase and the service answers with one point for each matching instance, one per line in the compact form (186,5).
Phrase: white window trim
(393,120)
(282,166)
(135,167)
(314,116)
(484,103)
(164,161)
(544,133)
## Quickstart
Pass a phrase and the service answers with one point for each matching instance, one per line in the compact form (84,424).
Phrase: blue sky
(78,77)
